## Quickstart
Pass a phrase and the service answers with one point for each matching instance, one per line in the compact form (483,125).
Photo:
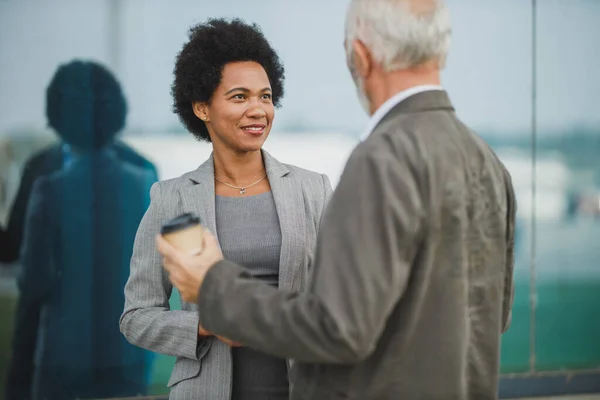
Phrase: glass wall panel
(567,171)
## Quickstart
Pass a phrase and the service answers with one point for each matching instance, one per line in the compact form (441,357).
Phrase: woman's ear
(201,110)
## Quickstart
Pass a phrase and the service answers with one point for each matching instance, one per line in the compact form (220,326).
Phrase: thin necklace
(242,189)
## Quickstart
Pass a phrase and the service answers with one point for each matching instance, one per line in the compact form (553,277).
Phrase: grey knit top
(249,234)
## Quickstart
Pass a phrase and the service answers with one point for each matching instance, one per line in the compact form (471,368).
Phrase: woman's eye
(239,96)
(267,96)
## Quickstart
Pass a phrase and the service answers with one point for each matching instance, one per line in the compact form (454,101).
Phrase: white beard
(362,96)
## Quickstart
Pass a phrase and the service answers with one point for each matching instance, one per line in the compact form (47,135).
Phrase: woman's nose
(257,112)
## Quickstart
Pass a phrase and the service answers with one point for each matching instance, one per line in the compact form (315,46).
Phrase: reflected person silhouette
(79,231)
(54,157)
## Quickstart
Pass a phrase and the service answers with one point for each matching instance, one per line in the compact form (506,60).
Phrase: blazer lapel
(289,202)
(199,196)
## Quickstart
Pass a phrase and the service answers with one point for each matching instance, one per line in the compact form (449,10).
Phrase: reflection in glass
(76,215)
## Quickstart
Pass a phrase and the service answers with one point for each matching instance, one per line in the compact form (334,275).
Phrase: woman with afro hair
(228,81)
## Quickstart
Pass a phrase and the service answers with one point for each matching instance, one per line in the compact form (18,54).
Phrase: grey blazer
(203,366)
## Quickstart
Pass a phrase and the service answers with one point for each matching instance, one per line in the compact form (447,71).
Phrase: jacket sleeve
(35,281)
(147,320)
(366,246)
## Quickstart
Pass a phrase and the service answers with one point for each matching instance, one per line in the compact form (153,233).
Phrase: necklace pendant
(243,191)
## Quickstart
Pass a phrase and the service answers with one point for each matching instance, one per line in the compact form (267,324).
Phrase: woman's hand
(228,342)
(204,333)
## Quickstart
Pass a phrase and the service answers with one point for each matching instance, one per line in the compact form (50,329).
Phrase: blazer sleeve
(147,320)
(366,246)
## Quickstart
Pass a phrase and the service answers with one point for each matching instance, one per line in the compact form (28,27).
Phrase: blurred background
(522,73)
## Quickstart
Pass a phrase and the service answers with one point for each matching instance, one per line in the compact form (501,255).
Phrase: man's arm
(35,282)
(367,242)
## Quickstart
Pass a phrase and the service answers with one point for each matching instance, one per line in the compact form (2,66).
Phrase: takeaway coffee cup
(185,232)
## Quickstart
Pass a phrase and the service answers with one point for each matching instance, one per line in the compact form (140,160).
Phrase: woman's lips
(254,130)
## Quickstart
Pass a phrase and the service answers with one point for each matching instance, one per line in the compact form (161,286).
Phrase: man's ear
(363,59)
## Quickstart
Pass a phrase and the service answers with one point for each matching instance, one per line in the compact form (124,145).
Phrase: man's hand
(187,272)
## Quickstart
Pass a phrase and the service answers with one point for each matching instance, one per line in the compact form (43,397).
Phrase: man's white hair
(400,33)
